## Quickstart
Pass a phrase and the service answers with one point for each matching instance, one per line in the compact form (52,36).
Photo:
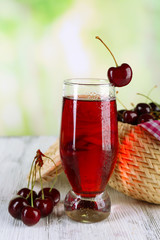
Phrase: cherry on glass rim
(119,76)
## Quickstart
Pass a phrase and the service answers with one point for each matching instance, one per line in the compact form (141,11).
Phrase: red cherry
(24,192)
(120,76)
(120,115)
(142,108)
(16,205)
(54,194)
(155,107)
(130,117)
(145,118)
(44,205)
(30,215)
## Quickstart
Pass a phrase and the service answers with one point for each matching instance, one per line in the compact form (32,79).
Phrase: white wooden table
(129,219)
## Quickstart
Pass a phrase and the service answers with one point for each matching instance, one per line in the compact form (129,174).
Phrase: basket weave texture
(137,171)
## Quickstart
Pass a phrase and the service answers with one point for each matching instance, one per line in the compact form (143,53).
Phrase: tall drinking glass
(88,146)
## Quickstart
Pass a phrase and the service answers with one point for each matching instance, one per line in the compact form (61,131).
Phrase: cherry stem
(148,98)
(151,90)
(56,174)
(32,185)
(34,172)
(121,103)
(108,50)
(30,173)
(41,182)
(29,179)
(53,183)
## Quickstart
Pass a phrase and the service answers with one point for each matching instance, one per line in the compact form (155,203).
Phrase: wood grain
(129,219)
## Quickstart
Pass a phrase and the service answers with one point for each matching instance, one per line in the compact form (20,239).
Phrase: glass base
(87,210)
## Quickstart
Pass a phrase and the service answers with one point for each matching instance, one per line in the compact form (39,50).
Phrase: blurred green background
(43,42)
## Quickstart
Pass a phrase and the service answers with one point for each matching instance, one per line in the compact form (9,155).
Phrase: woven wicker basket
(137,171)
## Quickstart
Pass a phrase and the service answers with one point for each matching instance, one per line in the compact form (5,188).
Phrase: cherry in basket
(143,112)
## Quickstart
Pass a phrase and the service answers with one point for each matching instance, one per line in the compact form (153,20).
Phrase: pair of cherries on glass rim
(30,206)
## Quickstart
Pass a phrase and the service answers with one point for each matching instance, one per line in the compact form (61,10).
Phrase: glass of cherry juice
(88,146)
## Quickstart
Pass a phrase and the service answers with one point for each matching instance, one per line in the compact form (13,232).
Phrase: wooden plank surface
(129,218)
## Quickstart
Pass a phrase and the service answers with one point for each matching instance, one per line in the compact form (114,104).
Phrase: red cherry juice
(88,143)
